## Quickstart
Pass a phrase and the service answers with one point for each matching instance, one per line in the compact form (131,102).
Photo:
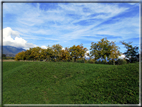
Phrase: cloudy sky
(28,25)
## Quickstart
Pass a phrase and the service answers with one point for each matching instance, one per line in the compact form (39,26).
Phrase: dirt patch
(8,60)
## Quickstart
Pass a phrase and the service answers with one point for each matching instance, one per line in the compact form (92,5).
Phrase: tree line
(104,50)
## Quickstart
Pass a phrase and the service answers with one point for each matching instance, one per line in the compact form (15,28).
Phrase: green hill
(70,83)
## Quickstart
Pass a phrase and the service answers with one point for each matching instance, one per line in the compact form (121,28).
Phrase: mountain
(11,51)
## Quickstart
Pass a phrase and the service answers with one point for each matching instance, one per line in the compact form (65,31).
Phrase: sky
(28,25)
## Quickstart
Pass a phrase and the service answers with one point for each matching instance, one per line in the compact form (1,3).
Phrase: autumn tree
(20,56)
(132,51)
(28,54)
(57,51)
(43,54)
(49,53)
(77,51)
(114,53)
(65,55)
(101,49)
(35,53)
(104,49)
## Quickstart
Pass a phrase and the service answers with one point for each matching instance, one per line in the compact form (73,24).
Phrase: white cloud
(55,25)
(12,38)
(44,47)
(122,56)
(86,54)
(8,32)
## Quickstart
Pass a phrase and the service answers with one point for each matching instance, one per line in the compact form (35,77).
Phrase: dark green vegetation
(4,57)
(70,83)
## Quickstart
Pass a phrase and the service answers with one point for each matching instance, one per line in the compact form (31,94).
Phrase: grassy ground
(70,83)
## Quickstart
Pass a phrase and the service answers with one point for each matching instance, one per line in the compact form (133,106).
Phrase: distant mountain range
(11,51)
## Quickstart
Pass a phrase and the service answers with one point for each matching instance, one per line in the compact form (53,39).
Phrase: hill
(70,83)
(11,51)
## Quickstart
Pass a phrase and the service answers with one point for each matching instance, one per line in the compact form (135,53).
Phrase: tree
(43,54)
(114,53)
(3,56)
(65,55)
(77,51)
(35,53)
(57,51)
(20,56)
(101,49)
(104,50)
(49,53)
(28,54)
(132,52)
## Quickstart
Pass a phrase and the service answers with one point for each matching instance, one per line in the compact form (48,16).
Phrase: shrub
(91,61)
(85,61)
(101,62)
(80,61)
(121,62)
(110,62)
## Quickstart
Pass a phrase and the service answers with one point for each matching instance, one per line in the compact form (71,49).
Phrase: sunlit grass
(70,83)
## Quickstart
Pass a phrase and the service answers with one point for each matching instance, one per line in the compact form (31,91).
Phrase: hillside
(11,51)
(70,83)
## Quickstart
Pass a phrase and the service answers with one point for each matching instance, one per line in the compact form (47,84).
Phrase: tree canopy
(104,49)
(77,51)
(132,51)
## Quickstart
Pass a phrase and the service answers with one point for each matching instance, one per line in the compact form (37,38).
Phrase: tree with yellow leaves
(104,49)
(65,55)
(77,51)
(57,51)
(114,53)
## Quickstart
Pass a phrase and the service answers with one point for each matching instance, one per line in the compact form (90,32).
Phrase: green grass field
(70,83)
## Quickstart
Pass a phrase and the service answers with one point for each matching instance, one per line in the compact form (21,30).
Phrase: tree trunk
(75,59)
(113,62)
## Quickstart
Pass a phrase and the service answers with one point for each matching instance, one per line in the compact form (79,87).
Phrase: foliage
(100,49)
(77,51)
(20,56)
(70,83)
(121,62)
(35,53)
(92,61)
(132,51)
(65,55)
(104,49)
(114,53)
(50,56)
(7,57)
(3,56)
(54,53)
(81,60)
(101,62)
(57,51)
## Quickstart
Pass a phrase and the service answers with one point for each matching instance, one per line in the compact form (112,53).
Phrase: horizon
(68,24)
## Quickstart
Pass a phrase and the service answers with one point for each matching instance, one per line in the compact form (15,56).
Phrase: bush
(80,61)
(85,61)
(121,62)
(110,62)
(101,62)
(91,61)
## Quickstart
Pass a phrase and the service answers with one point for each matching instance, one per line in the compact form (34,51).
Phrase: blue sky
(28,25)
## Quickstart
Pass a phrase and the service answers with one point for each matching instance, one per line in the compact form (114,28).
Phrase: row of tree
(104,50)
(54,53)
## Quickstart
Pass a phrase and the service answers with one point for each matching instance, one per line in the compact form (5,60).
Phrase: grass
(70,83)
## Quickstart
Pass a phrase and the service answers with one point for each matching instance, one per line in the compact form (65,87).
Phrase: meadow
(70,83)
